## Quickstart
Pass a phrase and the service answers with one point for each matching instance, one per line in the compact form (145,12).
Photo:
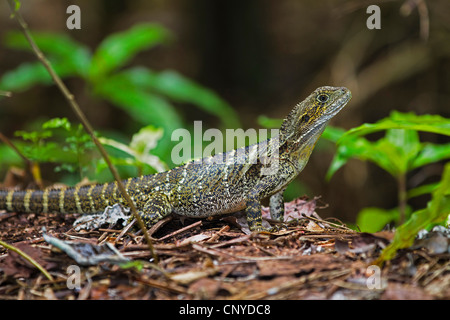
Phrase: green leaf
(421,190)
(57,123)
(33,136)
(181,89)
(59,48)
(400,150)
(333,133)
(29,74)
(407,145)
(269,123)
(144,107)
(381,153)
(140,146)
(145,140)
(25,76)
(374,219)
(348,148)
(119,48)
(398,120)
(17,5)
(431,153)
(438,210)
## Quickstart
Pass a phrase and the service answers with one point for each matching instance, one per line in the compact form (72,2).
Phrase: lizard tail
(87,199)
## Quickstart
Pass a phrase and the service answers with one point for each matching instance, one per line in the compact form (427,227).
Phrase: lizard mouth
(339,103)
(333,109)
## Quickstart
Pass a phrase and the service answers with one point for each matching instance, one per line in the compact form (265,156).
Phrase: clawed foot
(261,229)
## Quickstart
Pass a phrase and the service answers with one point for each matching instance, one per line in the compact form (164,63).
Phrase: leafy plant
(67,145)
(58,141)
(398,152)
(437,211)
(146,95)
(138,151)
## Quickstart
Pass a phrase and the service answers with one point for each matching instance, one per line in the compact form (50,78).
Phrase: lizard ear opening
(305,118)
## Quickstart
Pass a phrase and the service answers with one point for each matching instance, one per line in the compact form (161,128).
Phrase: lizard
(224,183)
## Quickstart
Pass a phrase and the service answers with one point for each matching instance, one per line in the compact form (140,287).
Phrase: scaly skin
(235,180)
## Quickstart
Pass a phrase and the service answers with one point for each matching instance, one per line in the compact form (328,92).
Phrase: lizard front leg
(155,208)
(277,205)
(253,212)
(253,206)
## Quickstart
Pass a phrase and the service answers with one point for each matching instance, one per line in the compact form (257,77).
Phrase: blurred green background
(253,58)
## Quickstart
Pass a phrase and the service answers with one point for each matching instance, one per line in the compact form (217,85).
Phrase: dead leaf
(313,227)
(16,266)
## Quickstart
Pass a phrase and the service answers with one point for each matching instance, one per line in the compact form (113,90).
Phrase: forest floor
(309,258)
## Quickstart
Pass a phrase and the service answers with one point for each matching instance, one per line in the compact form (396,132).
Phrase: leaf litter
(306,258)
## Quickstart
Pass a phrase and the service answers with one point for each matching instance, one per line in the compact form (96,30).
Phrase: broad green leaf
(407,145)
(400,150)
(119,48)
(381,153)
(140,146)
(29,74)
(144,107)
(181,89)
(431,153)
(60,48)
(387,156)
(350,147)
(421,190)
(25,76)
(398,120)
(374,219)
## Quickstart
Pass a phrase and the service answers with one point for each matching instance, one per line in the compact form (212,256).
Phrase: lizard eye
(322,98)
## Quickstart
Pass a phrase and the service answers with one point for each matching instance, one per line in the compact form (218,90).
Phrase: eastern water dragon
(225,183)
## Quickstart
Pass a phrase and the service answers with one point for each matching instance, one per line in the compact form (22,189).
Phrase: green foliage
(146,95)
(373,219)
(138,151)
(72,150)
(58,141)
(437,211)
(398,152)
(119,48)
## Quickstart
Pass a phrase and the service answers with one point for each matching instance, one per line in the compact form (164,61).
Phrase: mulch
(307,258)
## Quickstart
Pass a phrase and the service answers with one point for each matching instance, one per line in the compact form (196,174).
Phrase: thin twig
(28,258)
(86,124)
(32,166)
(12,146)
(193,225)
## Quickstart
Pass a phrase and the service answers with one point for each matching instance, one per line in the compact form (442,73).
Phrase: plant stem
(32,166)
(86,124)
(402,197)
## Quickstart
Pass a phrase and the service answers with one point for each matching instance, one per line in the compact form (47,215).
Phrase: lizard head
(305,123)
(310,116)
